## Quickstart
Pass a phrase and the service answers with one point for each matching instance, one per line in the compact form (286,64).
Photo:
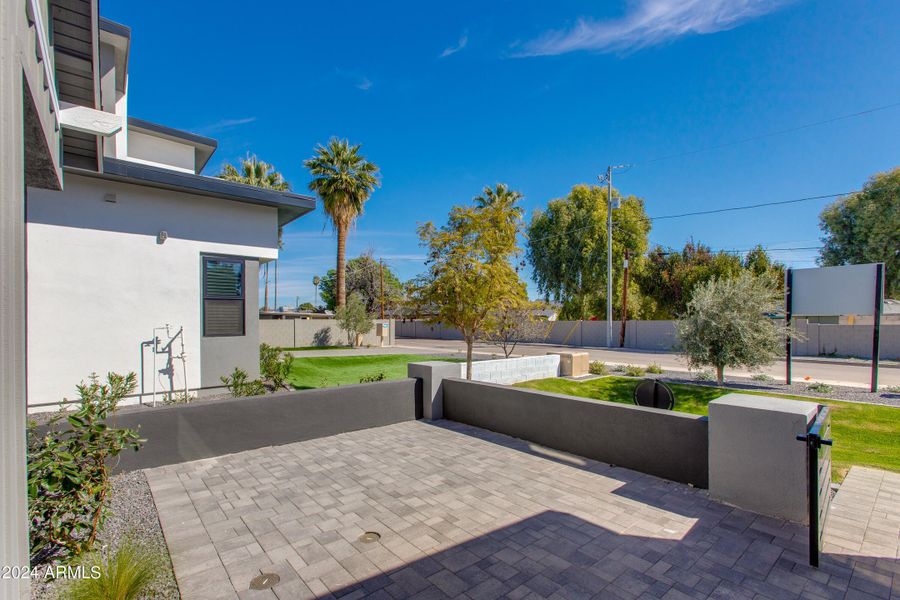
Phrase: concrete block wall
(514,370)
(297,333)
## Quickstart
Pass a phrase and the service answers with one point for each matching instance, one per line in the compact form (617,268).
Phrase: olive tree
(728,324)
(354,318)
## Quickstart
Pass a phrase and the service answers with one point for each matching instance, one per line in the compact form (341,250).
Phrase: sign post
(836,291)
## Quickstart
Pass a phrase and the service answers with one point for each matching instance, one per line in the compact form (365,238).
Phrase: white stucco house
(140,263)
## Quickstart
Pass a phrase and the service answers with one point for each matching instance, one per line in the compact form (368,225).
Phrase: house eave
(290,206)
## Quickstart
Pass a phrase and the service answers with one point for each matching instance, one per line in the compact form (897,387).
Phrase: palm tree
(258,173)
(255,172)
(344,179)
(316,281)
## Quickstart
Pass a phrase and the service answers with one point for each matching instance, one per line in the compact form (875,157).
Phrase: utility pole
(381,263)
(624,301)
(609,208)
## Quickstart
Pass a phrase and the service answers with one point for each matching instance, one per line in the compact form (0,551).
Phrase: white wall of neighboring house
(159,152)
(98,281)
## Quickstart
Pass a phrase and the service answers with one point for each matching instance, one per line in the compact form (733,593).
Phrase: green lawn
(864,434)
(330,371)
(298,348)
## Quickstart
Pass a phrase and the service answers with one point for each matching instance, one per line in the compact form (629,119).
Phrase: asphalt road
(848,372)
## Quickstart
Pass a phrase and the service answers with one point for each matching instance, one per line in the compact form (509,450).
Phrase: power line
(771,134)
(749,206)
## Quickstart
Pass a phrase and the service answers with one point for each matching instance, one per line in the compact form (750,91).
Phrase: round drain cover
(369,537)
(264,581)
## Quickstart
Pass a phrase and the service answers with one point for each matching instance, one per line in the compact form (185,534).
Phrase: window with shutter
(223,296)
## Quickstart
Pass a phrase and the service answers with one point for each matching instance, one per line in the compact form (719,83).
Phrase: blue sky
(447,98)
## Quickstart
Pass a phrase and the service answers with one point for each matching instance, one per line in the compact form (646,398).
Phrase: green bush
(618,369)
(654,368)
(598,367)
(704,375)
(372,378)
(819,387)
(123,575)
(240,387)
(762,377)
(275,366)
(68,470)
(634,371)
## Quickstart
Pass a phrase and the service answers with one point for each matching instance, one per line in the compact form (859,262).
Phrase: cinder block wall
(514,370)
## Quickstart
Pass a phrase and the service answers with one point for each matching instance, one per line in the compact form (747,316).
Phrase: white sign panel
(834,291)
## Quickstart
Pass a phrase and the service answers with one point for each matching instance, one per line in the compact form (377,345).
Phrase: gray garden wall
(204,429)
(513,370)
(296,333)
(671,445)
(822,339)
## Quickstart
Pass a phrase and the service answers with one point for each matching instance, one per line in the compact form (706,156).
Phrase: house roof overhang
(290,206)
(203,146)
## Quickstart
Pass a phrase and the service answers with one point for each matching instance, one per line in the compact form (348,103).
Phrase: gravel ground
(131,512)
(797,388)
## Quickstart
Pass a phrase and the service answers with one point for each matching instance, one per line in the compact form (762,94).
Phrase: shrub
(68,470)
(598,367)
(123,575)
(704,375)
(275,365)
(894,389)
(654,368)
(239,387)
(634,371)
(372,378)
(618,368)
(762,377)
(819,387)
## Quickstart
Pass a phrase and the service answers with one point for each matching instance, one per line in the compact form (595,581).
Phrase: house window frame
(205,259)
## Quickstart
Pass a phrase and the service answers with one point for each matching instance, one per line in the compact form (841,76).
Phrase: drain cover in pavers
(264,581)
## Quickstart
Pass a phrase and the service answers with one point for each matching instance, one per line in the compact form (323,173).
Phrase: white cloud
(648,23)
(450,50)
(225,124)
(364,84)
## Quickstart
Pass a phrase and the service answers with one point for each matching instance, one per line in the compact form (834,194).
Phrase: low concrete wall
(821,339)
(514,370)
(205,429)
(298,333)
(666,444)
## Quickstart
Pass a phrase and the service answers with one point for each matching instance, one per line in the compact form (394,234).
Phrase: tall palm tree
(316,281)
(345,180)
(258,173)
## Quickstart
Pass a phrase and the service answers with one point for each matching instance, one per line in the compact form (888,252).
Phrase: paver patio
(466,513)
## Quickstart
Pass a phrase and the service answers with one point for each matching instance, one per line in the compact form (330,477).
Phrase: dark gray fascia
(115,28)
(290,206)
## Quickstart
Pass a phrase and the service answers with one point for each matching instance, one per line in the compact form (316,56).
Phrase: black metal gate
(818,466)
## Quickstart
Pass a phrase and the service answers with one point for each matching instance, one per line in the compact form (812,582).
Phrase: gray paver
(464,512)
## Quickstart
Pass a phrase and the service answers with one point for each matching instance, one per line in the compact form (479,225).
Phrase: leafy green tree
(759,263)
(470,276)
(307,307)
(567,249)
(345,180)
(726,324)
(669,278)
(354,318)
(865,227)
(364,277)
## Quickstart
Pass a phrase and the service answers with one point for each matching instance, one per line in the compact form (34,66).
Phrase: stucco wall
(299,333)
(204,429)
(159,152)
(98,281)
(667,444)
